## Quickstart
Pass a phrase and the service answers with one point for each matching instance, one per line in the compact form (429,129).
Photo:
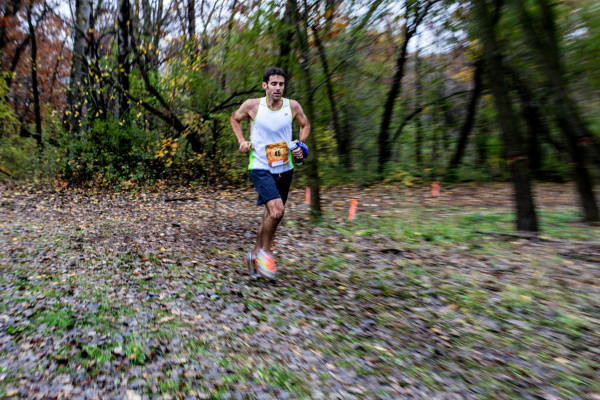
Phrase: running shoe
(250,262)
(265,264)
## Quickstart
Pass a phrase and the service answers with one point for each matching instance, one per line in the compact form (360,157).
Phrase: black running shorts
(271,186)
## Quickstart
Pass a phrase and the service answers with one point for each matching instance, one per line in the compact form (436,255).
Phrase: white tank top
(271,130)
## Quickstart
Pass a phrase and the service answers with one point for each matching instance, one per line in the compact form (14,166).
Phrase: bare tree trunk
(74,116)
(15,59)
(580,141)
(151,31)
(517,160)
(150,38)
(345,111)
(435,149)
(342,138)
(418,101)
(191,17)
(481,149)
(536,126)
(450,124)
(34,80)
(312,166)
(581,174)
(223,79)
(468,123)
(157,30)
(8,9)
(534,148)
(147,26)
(285,36)
(124,65)
(415,12)
(383,140)
(56,65)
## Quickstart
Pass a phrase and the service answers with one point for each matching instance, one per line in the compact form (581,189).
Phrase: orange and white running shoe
(250,262)
(265,264)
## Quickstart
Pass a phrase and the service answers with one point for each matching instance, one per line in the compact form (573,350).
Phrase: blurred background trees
(127,91)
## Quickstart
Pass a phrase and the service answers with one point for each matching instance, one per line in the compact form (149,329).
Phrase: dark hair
(273,71)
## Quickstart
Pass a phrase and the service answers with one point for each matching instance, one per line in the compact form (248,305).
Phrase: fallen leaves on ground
(144,293)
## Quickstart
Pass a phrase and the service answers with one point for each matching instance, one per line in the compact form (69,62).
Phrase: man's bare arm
(304,125)
(301,120)
(236,119)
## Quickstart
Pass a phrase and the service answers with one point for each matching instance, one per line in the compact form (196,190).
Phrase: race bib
(277,154)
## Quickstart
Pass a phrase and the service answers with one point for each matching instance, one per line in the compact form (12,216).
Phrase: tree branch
(418,110)
(224,104)
(17,56)
(170,117)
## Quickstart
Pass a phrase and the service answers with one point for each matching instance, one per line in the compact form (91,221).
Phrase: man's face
(274,88)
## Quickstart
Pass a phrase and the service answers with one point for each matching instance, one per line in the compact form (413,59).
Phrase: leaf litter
(143,294)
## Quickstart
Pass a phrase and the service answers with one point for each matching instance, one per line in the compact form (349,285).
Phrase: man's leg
(274,190)
(274,210)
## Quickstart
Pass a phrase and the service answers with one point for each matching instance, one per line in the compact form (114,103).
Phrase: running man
(271,164)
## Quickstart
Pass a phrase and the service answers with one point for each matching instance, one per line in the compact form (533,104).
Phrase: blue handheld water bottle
(293,146)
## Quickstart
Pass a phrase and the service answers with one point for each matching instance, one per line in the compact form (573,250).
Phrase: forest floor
(143,294)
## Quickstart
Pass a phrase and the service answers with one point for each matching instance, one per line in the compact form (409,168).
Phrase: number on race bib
(277,154)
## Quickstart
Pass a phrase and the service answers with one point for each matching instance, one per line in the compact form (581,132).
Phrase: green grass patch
(279,375)
(457,226)
(135,351)
(197,347)
(332,263)
(92,354)
(57,320)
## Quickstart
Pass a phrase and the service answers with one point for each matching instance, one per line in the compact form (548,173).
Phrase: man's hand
(298,153)
(245,146)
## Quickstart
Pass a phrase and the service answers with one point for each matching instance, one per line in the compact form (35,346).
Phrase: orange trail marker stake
(435,189)
(307,195)
(352,211)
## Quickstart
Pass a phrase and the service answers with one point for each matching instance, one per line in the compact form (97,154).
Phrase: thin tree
(191,17)
(342,138)
(301,21)
(8,10)
(415,12)
(541,34)
(340,115)
(75,93)
(285,36)
(467,125)
(418,102)
(537,127)
(123,63)
(517,160)
(34,79)
(151,29)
